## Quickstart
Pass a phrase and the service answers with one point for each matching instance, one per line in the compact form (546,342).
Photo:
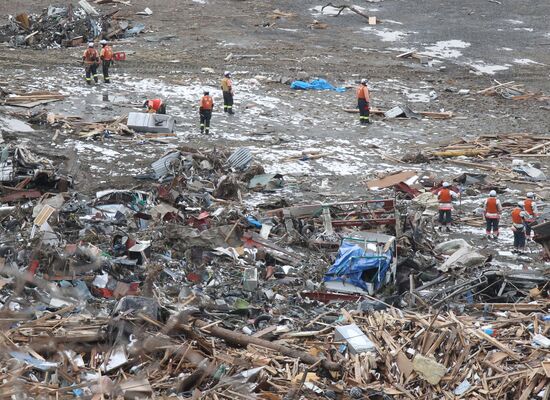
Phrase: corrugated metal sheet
(240,159)
(161,166)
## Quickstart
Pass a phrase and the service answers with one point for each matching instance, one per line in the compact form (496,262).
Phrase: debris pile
(497,145)
(181,290)
(512,91)
(65,26)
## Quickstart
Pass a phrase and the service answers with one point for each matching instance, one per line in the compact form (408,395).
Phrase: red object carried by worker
(119,56)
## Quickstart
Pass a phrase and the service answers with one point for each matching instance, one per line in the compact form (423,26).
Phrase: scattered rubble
(65,26)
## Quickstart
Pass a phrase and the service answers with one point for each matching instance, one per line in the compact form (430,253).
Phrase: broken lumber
(244,340)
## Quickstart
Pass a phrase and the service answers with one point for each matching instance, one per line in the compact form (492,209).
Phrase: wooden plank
(494,342)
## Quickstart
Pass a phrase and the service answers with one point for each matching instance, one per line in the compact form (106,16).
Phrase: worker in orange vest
(363,101)
(106,56)
(492,210)
(445,196)
(227,91)
(91,61)
(530,207)
(518,227)
(155,106)
(206,105)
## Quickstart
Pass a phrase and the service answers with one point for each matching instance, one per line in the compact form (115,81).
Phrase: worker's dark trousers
(205,115)
(162,109)
(519,238)
(106,64)
(492,225)
(364,111)
(91,72)
(445,217)
(228,102)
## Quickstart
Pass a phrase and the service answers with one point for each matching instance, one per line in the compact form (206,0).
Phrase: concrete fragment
(250,279)
(428,369)
(451,246)
(464,257)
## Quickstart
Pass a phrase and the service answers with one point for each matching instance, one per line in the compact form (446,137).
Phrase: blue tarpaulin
(351,263)
(317,84)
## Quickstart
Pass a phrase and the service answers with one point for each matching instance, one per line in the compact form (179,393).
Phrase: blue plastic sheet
(317,84)
(352,261)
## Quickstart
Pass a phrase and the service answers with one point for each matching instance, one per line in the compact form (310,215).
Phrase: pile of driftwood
(75,125)
(497,145)
(489,353)
(512,91)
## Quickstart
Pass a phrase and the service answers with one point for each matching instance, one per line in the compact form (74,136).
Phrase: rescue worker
(205,111)
(227,90)
(530,207)
(91,61)
(155,106)
(445,196)
(518,227)
(492,210)
(106,56)
(363,101)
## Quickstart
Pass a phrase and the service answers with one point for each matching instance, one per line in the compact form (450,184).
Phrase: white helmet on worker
(227,73)
(446,184)
(91,44)
(493,193)
(103,41)
(364,81)
(530,195)
(520,204)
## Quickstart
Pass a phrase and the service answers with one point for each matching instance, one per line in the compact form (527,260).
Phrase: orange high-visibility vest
(528,205)
(154,104)
(90,56)
(491,206)
(516,216)
(107,53)
(206,103)
(363,92)
(445,196)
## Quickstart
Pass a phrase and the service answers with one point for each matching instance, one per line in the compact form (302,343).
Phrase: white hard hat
(364,81)
(530,195)
(520,204)
(91,44)
(493,193)
(446,184)
(103,41)
(227,73)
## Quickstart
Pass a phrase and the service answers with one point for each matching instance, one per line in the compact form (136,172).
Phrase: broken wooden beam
(245,340)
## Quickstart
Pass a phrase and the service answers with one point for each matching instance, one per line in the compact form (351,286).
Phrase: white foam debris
(525,61)
(488,68)
(386,35)
(446,48)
